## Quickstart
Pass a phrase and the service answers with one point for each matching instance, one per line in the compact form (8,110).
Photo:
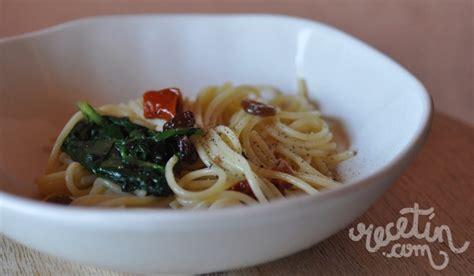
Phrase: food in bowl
(233,145)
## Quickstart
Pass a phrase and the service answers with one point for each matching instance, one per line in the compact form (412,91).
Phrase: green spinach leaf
(128,154)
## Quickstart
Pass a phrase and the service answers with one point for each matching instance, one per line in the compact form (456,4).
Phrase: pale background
(431,38)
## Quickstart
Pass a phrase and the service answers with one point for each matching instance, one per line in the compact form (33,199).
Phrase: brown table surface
(433,39)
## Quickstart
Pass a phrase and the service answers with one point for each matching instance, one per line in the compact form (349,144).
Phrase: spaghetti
(259,145)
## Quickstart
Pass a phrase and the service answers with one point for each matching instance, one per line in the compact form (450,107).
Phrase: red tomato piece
(243,187)
(162,104)
(282,166)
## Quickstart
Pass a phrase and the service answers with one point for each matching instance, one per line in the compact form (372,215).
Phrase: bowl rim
(59,212)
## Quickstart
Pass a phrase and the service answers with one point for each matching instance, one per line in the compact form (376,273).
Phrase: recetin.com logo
(381,237)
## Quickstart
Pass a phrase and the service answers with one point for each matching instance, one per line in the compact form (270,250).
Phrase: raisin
(186,150)
(181,120)
(258,108)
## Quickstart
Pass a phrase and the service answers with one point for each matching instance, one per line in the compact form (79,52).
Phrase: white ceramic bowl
(384,109)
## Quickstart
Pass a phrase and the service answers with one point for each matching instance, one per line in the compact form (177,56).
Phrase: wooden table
(433,39)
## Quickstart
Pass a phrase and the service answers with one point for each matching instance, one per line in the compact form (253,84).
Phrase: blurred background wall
(431,38)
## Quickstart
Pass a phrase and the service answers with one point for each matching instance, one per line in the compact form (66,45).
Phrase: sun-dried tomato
(282,166)
(59,199)
(243,187)
(162,104)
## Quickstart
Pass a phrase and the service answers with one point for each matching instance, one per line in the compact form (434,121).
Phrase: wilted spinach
(128,154)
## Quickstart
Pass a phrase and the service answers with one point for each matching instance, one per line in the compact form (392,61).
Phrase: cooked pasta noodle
(237,147)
